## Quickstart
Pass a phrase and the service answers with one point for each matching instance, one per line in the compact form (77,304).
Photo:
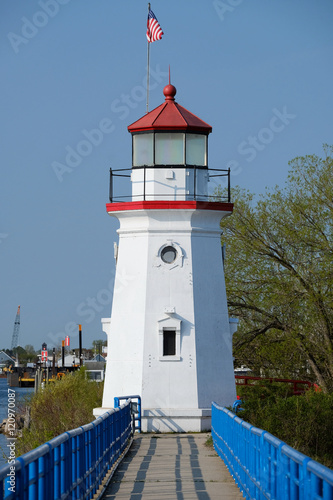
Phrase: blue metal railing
(265,467)
(72,465)
(135,409)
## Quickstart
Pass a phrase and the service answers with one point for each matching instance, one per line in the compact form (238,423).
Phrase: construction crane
(16,329)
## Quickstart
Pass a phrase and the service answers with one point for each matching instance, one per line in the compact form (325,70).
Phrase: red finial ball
(169,91)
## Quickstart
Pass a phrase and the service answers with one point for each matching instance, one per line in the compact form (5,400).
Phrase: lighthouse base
(176,420)
(171,419)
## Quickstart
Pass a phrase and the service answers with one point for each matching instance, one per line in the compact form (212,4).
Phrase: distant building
(86,353)
(243,370)
(95,368)
(70,360)
(98,358)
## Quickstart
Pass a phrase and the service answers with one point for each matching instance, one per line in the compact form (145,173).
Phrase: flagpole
(148,62)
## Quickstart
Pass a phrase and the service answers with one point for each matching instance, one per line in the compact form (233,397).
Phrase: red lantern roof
(170,116)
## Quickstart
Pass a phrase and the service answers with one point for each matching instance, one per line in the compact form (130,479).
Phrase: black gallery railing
(221,193)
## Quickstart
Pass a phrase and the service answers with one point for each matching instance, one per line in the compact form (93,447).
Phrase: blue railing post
(138,418)
(94,456)
(118,433)
(137,400)
(32,468)
(63,469)
(57,472)
(41,478)
(87,458)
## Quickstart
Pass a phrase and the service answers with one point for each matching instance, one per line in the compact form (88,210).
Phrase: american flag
(154,30)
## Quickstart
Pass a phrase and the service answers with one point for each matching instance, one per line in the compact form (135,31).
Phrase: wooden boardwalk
(173,467)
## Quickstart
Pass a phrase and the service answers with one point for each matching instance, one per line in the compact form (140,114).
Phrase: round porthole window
(168,254)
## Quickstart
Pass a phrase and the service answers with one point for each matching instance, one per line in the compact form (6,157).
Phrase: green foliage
(279,274)
(25,355)
(59,407)
(304,422)
(209,443)
(264,390)
(98,345)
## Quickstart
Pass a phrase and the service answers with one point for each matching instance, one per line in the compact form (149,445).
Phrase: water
(20,392)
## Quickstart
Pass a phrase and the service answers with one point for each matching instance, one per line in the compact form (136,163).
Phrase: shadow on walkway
(172,466)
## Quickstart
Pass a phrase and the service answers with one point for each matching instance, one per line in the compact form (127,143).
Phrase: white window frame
(169,324)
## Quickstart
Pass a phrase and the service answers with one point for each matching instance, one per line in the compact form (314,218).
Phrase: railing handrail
(263,466)
(194,195)
(137,414)
(75,461)
(272,380)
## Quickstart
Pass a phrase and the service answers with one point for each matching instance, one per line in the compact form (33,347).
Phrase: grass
(209,443)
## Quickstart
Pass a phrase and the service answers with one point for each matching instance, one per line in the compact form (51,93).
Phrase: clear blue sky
(260,72)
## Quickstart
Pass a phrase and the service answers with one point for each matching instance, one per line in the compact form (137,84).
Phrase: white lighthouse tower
(169,335)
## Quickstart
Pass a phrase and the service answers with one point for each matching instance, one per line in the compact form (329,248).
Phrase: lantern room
(169,153)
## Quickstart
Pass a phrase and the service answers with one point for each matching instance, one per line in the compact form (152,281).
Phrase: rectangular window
(196,149)
(169,342)
(169,149)
(142,150)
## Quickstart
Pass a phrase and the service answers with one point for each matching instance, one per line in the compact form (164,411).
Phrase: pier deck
(173,467)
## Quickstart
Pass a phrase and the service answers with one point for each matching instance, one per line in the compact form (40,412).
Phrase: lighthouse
(170,335)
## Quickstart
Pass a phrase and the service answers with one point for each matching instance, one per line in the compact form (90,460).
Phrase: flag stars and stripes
(154,30)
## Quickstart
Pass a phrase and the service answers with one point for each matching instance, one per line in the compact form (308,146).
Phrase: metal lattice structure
(16,329)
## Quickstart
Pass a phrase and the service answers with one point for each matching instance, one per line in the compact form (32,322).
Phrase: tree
(98,345)
(29,349)
(25,355)
(279,273)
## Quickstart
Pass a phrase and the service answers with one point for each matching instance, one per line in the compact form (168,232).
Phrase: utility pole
(80,345)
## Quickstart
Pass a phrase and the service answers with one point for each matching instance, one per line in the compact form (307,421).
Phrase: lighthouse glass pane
(142,150)
(169,149)
(196,149)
